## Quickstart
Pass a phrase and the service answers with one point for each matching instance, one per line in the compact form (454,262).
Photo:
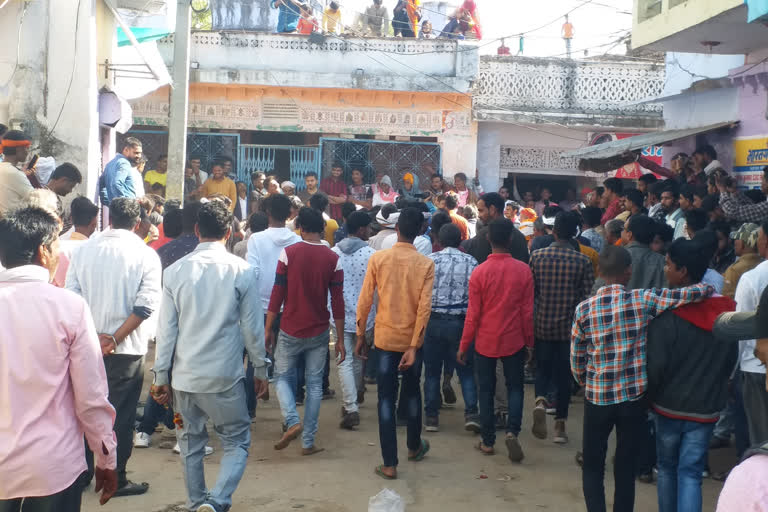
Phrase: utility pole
(177,118)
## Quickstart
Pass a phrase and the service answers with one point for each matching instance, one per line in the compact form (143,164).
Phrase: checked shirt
(608,339)
(562,278)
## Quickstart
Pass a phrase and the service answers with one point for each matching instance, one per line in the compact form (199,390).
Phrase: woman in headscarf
(385,193)
(410,186)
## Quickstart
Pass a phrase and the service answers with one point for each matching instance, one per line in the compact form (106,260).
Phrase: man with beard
(119,179)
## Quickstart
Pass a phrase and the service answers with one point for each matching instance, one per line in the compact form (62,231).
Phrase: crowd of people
(633,295)
(407,20)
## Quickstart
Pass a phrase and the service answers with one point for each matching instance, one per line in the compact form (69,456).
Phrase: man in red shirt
(500,321)
(612,199)
(336,190)
(306,272)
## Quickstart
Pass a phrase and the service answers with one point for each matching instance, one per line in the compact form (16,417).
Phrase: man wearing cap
(288,187)
(14,185)
(745,247)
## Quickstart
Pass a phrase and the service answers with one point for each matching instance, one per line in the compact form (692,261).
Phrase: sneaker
(514,450)
(551,408)
(350,421)
(560,436)
(361,397)
(539,428)
(472,424)
(208,451)
(432,425)
(646,478)
(501,421)
(328,394)
(449,396)
(141,440)
(206,507)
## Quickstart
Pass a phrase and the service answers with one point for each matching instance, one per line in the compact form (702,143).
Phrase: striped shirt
(608,339)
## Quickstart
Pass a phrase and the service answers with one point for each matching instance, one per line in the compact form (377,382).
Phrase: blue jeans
(553,367)
(230,419)
(287,355)
(514,377)
(155,413)
(441,343)
(386,382)
(682,448)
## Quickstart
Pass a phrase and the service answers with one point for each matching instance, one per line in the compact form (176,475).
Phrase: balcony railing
(330,61)
(568,86)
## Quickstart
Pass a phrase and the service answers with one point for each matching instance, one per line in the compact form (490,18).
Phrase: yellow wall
(674,19)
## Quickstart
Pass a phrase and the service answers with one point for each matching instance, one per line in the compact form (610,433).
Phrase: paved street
(341,478)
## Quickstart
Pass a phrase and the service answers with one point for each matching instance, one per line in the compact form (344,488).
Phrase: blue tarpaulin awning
(141,34)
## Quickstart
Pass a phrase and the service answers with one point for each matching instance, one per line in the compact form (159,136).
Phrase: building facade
(531,110)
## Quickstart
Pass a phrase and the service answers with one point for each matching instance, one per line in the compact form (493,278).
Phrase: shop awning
(619,147)
(613,155)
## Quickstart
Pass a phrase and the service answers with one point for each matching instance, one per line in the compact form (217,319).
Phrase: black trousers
(125,377)
(67,500)
(629,419)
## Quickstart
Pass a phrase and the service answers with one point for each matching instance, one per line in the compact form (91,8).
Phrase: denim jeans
(515,381)
(441,343)
(682,448)
(386,381)
(599,420)
(287,354)
(301,371)
(351,372)
(155,413)
(553,367)
(229,415)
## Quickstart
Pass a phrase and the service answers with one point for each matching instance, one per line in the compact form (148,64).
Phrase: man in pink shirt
(59,392)
(500,322)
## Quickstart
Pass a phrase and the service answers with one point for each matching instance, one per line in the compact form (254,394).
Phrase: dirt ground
(453,477)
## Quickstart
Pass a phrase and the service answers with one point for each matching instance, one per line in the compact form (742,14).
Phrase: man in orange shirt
(218,183)
(451,204)
(403,278)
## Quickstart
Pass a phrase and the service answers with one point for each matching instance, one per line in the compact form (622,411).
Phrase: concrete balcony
(725,27)
(294,60)
(601,93)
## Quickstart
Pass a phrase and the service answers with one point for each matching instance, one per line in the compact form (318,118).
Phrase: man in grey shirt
(204,333)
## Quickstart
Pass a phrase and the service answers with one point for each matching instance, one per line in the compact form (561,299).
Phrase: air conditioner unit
(144,6)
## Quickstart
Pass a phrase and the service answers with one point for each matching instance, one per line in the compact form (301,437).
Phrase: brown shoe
(539,428)
(311,450)
(290,434)
(560,436)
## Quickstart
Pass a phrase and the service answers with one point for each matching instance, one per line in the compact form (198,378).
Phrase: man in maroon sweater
(306,272)
(500,323)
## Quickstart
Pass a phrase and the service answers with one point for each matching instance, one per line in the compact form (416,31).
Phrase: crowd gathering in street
(646,297)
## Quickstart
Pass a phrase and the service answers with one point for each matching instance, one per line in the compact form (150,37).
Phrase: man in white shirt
(705,158)
(14,184)
(118,275)
(748,292)
(210,313)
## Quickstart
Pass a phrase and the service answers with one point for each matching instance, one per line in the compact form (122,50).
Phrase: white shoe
(208,449)
(141,440)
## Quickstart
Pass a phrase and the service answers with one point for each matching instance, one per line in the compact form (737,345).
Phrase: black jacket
(688,369)
(479,246)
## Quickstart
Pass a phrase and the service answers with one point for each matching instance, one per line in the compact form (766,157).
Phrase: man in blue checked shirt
(450,298)
(608,357)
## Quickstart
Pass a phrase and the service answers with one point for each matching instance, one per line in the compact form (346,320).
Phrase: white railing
(569,86)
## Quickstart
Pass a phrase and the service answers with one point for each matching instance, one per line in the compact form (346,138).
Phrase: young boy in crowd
(608,356)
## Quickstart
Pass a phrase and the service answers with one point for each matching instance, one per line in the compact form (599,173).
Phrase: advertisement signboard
(632,170)
(750,155)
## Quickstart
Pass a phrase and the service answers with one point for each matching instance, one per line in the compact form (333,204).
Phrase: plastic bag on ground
(386,501)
